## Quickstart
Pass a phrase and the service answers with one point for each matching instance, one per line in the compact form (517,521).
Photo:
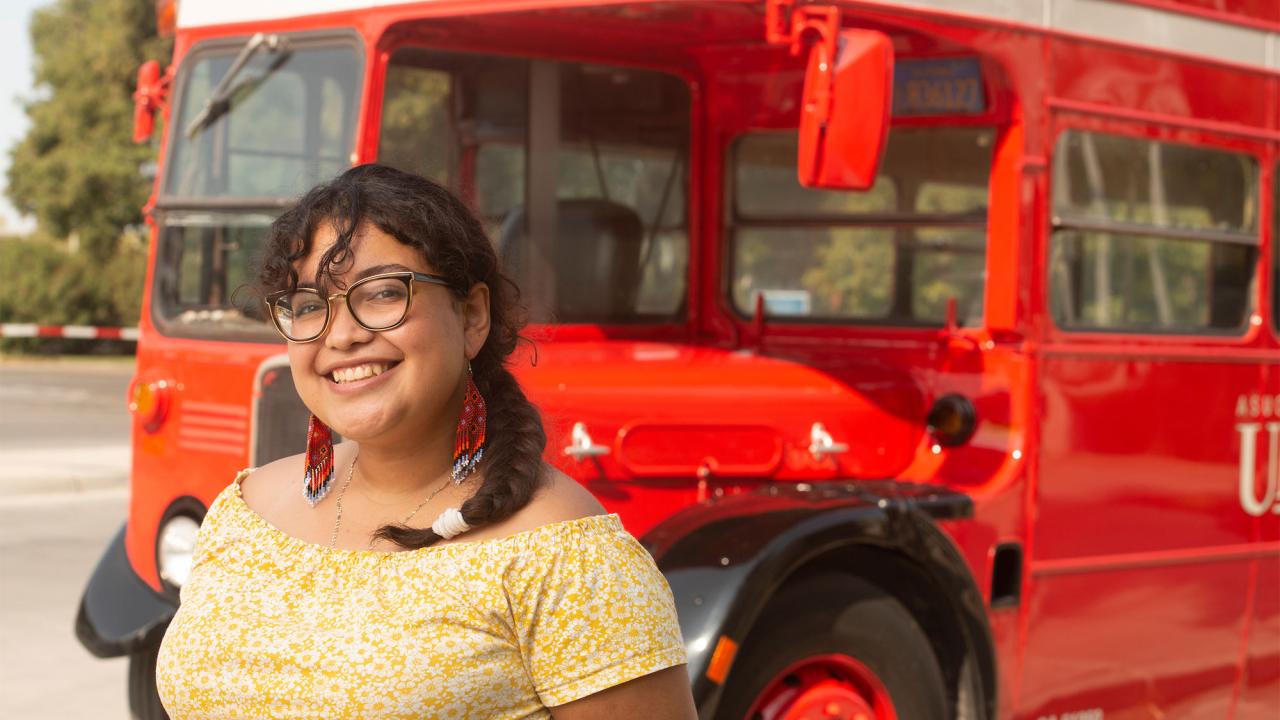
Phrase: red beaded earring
(318,463)
(468,445)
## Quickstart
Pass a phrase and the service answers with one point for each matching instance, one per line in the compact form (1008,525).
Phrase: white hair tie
(450,523)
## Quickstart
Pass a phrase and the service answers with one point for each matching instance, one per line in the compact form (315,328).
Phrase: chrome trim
(1123,228)
(273,362)
(582,446)
(821,444)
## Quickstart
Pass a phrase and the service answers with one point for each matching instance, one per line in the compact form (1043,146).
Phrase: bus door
(1260,495)
(1153,386)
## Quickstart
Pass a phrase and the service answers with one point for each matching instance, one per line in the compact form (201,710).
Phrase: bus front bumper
(119,613)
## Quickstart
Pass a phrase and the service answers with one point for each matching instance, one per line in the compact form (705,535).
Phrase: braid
(512,466)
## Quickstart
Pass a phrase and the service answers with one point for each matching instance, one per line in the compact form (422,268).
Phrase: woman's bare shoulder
(559,498)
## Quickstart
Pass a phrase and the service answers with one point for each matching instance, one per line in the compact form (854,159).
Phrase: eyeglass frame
(407,275)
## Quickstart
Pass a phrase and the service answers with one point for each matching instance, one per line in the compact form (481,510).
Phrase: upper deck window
(288,121)
(1151,236)
(606,241)
(892,255)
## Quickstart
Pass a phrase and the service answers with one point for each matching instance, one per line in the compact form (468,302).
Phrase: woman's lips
(354,386)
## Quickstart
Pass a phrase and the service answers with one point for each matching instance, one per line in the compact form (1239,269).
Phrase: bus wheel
(144,699)
(834,647)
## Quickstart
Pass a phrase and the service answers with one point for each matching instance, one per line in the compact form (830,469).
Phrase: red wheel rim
(824,687)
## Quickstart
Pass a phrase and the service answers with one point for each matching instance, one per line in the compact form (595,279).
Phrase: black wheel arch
(726,558)
(119,613)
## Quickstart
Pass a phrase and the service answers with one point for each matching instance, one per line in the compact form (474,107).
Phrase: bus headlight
(175,545)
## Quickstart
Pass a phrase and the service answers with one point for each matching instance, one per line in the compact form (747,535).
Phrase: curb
(61,485)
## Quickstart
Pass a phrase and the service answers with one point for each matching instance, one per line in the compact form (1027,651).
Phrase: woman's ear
(475,319)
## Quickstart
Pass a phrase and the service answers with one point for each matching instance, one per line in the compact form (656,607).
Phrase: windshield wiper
(217,103)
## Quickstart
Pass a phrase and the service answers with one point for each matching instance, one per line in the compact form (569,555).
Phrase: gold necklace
(337,522)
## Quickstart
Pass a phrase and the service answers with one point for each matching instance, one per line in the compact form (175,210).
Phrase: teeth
(358,372)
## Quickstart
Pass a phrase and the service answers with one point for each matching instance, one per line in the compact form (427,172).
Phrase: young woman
(432,566)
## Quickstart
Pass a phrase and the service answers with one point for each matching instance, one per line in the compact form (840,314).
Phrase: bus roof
(1239,32)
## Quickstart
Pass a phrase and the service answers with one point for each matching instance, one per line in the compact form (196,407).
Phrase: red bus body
(1123,524)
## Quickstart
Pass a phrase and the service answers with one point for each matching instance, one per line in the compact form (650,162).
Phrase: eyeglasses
(378,302)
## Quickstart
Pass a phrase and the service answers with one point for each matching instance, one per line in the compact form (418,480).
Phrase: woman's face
(410,377)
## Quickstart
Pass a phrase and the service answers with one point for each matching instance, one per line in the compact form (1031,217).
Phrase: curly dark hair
(427,217)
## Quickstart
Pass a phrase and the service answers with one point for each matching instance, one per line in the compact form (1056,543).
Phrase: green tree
(77,170)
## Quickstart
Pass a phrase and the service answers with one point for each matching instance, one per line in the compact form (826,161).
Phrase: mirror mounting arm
(149,96)
(787,24)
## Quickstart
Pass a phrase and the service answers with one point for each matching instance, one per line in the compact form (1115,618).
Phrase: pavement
(64,425)
(64,473)
(49,545)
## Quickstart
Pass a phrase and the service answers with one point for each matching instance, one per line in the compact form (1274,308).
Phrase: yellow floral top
(272,626)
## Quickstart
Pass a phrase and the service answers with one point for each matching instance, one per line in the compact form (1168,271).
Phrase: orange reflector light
(721,659)
(150,403)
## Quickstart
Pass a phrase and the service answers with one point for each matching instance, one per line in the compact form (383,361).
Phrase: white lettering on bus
(1249,499)
(1257,406)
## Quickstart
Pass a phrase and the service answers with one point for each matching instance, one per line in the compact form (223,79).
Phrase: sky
(15,83)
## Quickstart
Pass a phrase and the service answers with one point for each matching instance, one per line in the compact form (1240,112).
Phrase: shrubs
(42,282)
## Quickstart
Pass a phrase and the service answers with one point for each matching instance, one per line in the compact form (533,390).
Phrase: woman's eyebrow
(376,269)
(367,272)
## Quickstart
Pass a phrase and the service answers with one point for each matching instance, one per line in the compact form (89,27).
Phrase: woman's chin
(362,427)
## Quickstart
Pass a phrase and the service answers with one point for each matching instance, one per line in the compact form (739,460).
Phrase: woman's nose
(344,331)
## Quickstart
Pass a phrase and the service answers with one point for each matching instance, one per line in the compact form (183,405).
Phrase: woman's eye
(306,308)
(385,293)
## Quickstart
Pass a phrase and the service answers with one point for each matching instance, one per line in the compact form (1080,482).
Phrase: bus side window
(892,255)
(1151,236)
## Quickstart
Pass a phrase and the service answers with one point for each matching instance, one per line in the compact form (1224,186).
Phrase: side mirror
(844,118)
(148,96)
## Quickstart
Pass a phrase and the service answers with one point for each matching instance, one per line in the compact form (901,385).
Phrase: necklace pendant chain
(337,522)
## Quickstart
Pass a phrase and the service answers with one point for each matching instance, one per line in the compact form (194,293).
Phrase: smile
(356,373)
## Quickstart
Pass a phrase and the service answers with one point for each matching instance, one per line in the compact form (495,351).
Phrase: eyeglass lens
(377,304)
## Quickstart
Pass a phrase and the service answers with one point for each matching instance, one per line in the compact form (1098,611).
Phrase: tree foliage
(77,170)
(41,282)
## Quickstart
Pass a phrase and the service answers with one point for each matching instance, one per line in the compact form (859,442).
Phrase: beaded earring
(468,444)
(318,463)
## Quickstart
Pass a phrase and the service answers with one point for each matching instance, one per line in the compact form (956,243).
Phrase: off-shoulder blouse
(272,626)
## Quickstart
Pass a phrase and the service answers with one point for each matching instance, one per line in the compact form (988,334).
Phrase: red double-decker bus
(932,347)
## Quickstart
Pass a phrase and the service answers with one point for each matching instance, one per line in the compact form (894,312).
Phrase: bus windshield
(288,121)
(283,121)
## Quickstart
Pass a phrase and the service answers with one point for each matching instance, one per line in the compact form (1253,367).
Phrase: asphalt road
(48,546)
(64,458)
(64,425)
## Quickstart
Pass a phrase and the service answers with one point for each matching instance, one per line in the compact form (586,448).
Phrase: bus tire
(834,638)
(144,699)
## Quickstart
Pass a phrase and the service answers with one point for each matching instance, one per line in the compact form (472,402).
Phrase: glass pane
(934,170)
(415,111)
(1105,281)
(839,273)
(289,123)
(933,184)
(499,188)
(1131,180)
(621,250)
(204,271)
(904,275)
(948,263)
